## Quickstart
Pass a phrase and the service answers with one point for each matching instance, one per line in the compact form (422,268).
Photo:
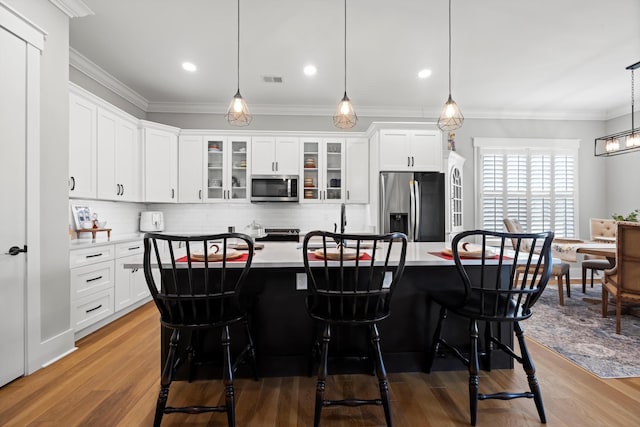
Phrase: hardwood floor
(113,379)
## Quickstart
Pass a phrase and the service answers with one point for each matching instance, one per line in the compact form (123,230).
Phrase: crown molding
(73,8)
(92,70)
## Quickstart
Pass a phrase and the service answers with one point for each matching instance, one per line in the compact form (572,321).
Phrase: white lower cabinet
(101,286)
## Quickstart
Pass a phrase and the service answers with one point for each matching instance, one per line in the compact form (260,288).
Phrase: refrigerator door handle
(383,205)
(416,189)
(412,212)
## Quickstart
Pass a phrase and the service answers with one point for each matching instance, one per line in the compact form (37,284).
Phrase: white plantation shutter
(532,182)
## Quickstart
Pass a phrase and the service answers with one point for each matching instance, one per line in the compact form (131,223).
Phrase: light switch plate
(388,277)
(301,281)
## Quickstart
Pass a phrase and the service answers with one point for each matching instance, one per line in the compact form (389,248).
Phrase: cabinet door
(217,148)
(312,179)
(127,161)
(160,166)
(333,169)
(426,151)
(263,155)
(108,188)
(82,147)
(190,169)
(123,293)
(238,179)
(395,150)
(139,286)
(287,152)
(357,170)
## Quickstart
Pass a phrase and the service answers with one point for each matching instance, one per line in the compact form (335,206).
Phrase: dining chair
(351,287)
(623,280)
(561,271)
(197,292)
(491,292)
(600,229)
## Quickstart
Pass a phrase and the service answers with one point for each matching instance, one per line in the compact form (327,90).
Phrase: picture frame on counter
(81,214)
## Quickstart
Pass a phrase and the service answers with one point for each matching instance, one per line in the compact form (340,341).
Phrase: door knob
(15,250)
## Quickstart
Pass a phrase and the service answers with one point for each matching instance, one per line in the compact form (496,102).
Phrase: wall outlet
(388,278)
(301,281)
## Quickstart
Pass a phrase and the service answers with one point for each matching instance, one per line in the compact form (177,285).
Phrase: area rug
(578,332)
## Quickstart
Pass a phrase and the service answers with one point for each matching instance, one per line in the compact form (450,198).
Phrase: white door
(108,188)
(357,170)
(263,155)
(160,166)
(395,154)
(190,168)
(127,161)
(13,210)
(426,151)
(287,156)
(82,147)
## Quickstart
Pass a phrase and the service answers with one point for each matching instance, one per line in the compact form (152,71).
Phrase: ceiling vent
(272,79)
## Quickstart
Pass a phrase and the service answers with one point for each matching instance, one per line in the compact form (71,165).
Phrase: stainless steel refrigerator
(413,203)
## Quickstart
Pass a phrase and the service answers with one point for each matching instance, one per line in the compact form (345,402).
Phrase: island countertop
(289,255)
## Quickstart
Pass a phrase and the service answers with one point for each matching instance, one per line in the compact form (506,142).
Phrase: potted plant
(632,217)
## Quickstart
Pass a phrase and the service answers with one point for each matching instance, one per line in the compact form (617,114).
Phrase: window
(533,181)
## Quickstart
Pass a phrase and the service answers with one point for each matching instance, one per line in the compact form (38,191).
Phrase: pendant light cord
(238,56)
(449,47)
(633,128)
(345,46)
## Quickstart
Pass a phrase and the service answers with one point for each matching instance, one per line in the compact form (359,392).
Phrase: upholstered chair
(559,271)
(623,280)
(603,230)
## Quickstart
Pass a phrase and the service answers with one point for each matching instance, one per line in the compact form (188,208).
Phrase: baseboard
(51,350)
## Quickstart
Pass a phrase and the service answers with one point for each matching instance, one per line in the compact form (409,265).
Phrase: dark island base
(283,332)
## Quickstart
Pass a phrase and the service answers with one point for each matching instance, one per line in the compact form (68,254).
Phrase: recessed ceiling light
(423,74)
(310,70)
(189,66)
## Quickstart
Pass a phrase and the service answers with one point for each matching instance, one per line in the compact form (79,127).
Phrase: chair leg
(227,377)
(435,343)
(584,279)
(568,285)
(488,347)
(252,351)
(167,377)
(618,314)
(322,373)
(473,371)
(560,291)
(382,374)
(592,271)
(530,370)
(605,301)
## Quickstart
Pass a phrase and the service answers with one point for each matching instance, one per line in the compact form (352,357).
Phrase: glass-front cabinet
(227,165)
(323,163)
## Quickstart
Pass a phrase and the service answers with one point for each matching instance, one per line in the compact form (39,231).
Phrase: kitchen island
(283,332)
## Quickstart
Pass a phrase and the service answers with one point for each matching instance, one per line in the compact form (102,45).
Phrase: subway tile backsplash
(123,218)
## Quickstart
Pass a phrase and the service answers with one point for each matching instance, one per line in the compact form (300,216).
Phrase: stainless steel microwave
(274,188)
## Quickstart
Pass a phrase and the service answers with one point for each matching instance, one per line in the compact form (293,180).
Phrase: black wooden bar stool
(493,293)
(351,279)
(198,290)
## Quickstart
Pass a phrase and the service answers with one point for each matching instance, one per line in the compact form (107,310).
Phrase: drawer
(131,248)
(87,311)
(90,279)
(80,257)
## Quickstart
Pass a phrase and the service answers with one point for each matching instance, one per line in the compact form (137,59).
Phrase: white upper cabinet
(160,162)
(357,171)
(323,161)
(275,155)
(82,147)
(190,169)
(227,166)
(118,157)
(411,150)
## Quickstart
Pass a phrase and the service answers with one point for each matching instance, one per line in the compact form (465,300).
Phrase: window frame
(527,146)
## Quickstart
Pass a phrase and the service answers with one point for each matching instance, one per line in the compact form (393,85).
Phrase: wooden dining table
(607,250)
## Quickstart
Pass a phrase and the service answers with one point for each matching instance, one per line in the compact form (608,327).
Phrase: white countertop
(289,255)
(92,243)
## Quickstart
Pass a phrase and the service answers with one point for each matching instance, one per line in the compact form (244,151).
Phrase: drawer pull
(93,309)
(94,279)
(133,248)
(93,256)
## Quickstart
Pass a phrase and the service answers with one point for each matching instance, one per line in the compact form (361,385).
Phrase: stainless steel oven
(274,188)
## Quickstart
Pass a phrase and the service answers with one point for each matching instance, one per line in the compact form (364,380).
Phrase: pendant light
(238,113)
(451,117)
(622,142)
(345,117)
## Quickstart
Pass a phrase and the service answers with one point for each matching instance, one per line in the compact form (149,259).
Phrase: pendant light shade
(345,117)
(451,117)
(238,113)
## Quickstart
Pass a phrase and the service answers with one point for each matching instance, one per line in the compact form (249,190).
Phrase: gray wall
(54,163)
(622,192)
